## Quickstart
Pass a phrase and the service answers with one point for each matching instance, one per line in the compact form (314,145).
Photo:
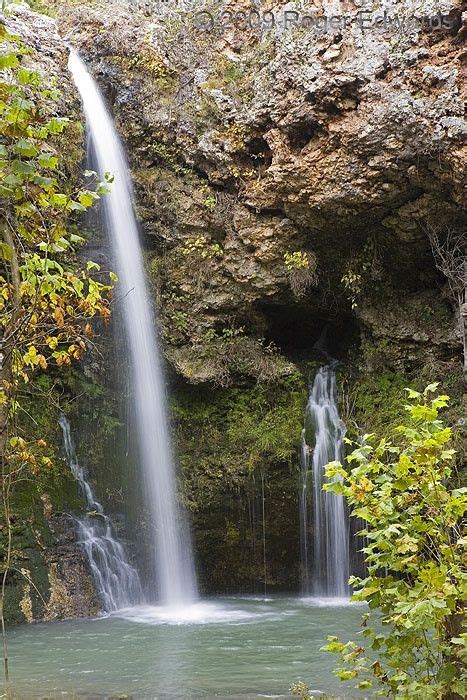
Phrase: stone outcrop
(246,146)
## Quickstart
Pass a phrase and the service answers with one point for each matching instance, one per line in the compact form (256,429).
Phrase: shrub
(416,584)
(301,271)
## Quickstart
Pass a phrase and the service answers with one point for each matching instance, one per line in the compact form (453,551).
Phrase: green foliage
(51,7)
(229,433)
(200,246)
(47,298)
(363,269)
(148,61)
(229,442)
(352,282)
(301,271)
(44,301)
(296,260)
(170,156)
(210,202)
(373,402)
(264,431)
(415,550)
(301,690)
(225,71)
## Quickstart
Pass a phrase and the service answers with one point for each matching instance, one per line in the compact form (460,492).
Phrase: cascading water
(328,575)
(174,577)
(304,513)
(117,582)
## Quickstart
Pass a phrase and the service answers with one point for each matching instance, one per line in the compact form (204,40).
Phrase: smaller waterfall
(304,514)
(328,576)
(117,582)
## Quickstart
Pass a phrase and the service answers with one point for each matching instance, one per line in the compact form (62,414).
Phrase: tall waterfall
(326,566)
(174,578)
(116,581)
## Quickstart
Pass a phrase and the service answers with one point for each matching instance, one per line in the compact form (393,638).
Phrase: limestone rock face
(47,50)
(249,145)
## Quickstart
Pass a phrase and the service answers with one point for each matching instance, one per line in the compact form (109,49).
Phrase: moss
(39,501)
(170,156)
(234,444)
(225,72)
(372,402)
(30,537)
(147,61)
(375,402)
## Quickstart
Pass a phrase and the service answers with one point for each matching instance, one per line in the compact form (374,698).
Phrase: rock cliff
(343,147)
(287,179)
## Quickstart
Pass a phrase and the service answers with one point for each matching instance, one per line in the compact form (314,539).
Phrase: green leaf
(23,167)
(431,388)
(335,487)
(6,251)
(48,161)
(25,148)
(9,60)
(412,393)
(13,180)
(74,238)
(76,206)
(87,198)
(58,199)
(57,124)
(27,77)
(44,182)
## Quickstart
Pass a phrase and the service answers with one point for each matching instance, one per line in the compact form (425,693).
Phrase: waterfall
(173,577)
(116,581)
(304,513)
(328,576)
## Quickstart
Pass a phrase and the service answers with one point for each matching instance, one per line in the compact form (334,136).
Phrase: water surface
(224,648)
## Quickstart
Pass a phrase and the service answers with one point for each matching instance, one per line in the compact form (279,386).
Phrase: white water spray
(174,578)
(117,581)
(328,577)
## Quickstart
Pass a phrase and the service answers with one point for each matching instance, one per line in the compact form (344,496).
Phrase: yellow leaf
(59,316)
